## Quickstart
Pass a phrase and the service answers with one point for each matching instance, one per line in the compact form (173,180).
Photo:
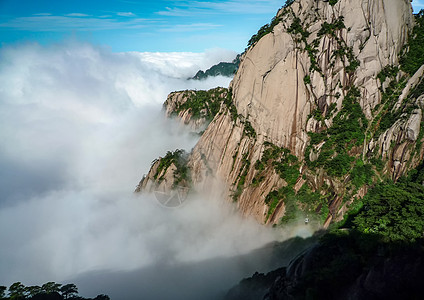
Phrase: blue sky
(134,25)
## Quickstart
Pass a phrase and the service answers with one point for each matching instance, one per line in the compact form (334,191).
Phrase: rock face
(312,89)
(269,88)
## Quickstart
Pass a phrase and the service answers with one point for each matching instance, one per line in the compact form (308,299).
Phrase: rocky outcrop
(311,89)
(166,174)
(171,107)
(195,108)
(412,82)
(397,144)
(150,182)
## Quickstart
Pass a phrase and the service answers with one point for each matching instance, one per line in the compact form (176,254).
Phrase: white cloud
(242,7)
(74,21)
(51,98)
(190,27)
(126,14)
(185,64)
(77,15)
(79,126)
(193,8)
(180,12)
(42,14)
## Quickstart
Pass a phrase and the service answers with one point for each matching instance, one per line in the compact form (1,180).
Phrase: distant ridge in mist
(227,69)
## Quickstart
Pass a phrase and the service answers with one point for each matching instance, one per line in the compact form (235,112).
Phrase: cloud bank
(78,127)
(62,103)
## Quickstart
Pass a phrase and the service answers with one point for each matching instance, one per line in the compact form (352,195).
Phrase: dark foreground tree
(69,290)
(51,287)
(48,291)
(17,291)
(102,297)
(3,290)
(31,291)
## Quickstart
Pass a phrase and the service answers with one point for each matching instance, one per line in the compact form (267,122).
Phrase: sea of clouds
(79,125)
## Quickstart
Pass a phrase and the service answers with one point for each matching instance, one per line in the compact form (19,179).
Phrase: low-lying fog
(79,125)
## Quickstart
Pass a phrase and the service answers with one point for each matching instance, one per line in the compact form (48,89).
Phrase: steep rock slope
(317,111)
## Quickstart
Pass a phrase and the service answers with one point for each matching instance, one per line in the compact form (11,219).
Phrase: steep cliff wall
(306,126)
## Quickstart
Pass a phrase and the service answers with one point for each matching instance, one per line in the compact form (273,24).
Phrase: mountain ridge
(227,69)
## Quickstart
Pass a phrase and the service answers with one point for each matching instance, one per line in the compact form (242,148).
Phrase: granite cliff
(320,109)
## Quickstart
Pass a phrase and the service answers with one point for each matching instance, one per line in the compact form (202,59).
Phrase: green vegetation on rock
(249,130)
(202,104)
(330,28)
(413,57)
(282,161)
(264,30)
(394,212)
(274,198)
(391,212)
(337,141)
(179,159)
(242,176)
(286,165)
(228,101)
